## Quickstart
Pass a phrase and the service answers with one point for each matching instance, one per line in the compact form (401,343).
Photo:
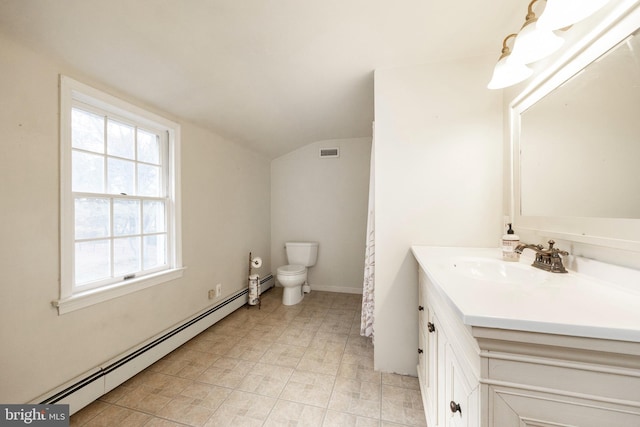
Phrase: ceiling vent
(329,152)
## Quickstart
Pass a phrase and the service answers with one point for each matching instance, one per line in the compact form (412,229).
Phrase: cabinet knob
(431,327)
(420,351)
(420,308)
(455,407)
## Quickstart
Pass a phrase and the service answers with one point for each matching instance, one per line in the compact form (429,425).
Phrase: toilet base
(292,295)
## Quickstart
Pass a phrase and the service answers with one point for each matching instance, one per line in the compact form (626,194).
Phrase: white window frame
(71,92)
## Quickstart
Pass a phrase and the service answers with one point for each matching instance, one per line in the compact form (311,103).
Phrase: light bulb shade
(563,13)
(508,73)
(533,44)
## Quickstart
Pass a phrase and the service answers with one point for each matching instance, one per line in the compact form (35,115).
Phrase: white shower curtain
(366,321)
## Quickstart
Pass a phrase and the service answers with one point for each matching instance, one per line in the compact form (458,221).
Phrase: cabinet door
(422,355)
(432,369)
(422,299)
(461,400)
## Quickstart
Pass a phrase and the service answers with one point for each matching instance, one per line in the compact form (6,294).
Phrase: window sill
(96,296)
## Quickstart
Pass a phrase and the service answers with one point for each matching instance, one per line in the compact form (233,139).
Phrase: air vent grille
(329,152)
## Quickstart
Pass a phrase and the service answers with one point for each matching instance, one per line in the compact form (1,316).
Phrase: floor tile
(359,345)
(309,388)
(404,381)
(161,422)
(226,372)
(251,350)
(353,369)
(294,335)
(118,416)
(283,355)
(402,406)
(88,412)
(242,409)
(287,413)
(206,395)
(320,361)
(276,365)
(310,323)
(341,419)
(329,341)
(186,410)
(264,332)
(266,380)
(312,312)
(356,397)
(144,399)
(213,343)
(336,326)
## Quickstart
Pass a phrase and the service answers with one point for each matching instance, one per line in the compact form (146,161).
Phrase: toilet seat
(291,270)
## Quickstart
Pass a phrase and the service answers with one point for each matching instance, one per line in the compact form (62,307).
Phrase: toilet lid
(290,270)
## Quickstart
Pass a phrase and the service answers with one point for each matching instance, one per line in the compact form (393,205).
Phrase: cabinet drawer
(509,407)
(571,377)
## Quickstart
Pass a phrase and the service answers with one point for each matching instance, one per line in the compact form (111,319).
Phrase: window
(120,210)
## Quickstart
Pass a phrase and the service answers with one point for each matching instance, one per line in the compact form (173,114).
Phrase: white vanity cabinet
(502,355)
(533,379)
(448,363)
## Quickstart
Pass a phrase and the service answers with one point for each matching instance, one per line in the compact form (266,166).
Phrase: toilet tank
(302,253)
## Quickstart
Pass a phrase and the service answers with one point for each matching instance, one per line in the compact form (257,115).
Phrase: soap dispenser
(509,243)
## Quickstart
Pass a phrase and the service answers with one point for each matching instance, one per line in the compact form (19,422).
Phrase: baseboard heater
(83,390)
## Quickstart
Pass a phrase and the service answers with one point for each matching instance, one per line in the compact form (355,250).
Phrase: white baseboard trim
(340,289)
(88,387)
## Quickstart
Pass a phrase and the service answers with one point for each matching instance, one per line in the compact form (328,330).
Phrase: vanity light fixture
(564,13)
(534,43)
(507,73)
(537,40)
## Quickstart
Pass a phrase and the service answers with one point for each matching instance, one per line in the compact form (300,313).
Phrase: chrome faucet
(546,259)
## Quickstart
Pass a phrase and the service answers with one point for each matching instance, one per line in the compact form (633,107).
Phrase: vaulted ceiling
(273,75)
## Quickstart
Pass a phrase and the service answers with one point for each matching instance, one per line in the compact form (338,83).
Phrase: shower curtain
(366,320)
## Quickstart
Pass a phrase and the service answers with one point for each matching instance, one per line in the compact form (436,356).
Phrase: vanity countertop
(529,299)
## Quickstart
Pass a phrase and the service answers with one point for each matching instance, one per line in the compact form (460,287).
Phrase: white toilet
(300,255)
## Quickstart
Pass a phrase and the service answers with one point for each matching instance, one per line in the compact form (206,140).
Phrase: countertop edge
(510,323)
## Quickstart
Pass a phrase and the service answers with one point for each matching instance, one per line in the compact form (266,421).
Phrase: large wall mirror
(576,142)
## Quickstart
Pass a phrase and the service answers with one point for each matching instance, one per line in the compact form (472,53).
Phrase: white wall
(438,172)
(222,184)
(323,200)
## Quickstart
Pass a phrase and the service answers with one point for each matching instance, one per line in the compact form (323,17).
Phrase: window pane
(155,251)
(87,131)
(92,218)
(149,180)
(148,147)
(121,176)
(92,261)
(126,217)
(154,220)
(120,140)
(126,256)
(87,172)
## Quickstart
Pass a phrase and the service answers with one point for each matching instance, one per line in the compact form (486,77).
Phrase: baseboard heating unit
(88,387)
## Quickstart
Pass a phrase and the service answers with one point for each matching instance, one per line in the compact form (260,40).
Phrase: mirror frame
(619,22)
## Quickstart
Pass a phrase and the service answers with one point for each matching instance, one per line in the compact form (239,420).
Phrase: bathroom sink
(495,270)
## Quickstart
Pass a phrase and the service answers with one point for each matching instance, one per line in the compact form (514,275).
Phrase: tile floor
(302,365)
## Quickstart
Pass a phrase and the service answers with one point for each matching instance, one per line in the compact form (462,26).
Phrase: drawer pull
(420,308)
(431,327)
(455,407)
(420,351)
